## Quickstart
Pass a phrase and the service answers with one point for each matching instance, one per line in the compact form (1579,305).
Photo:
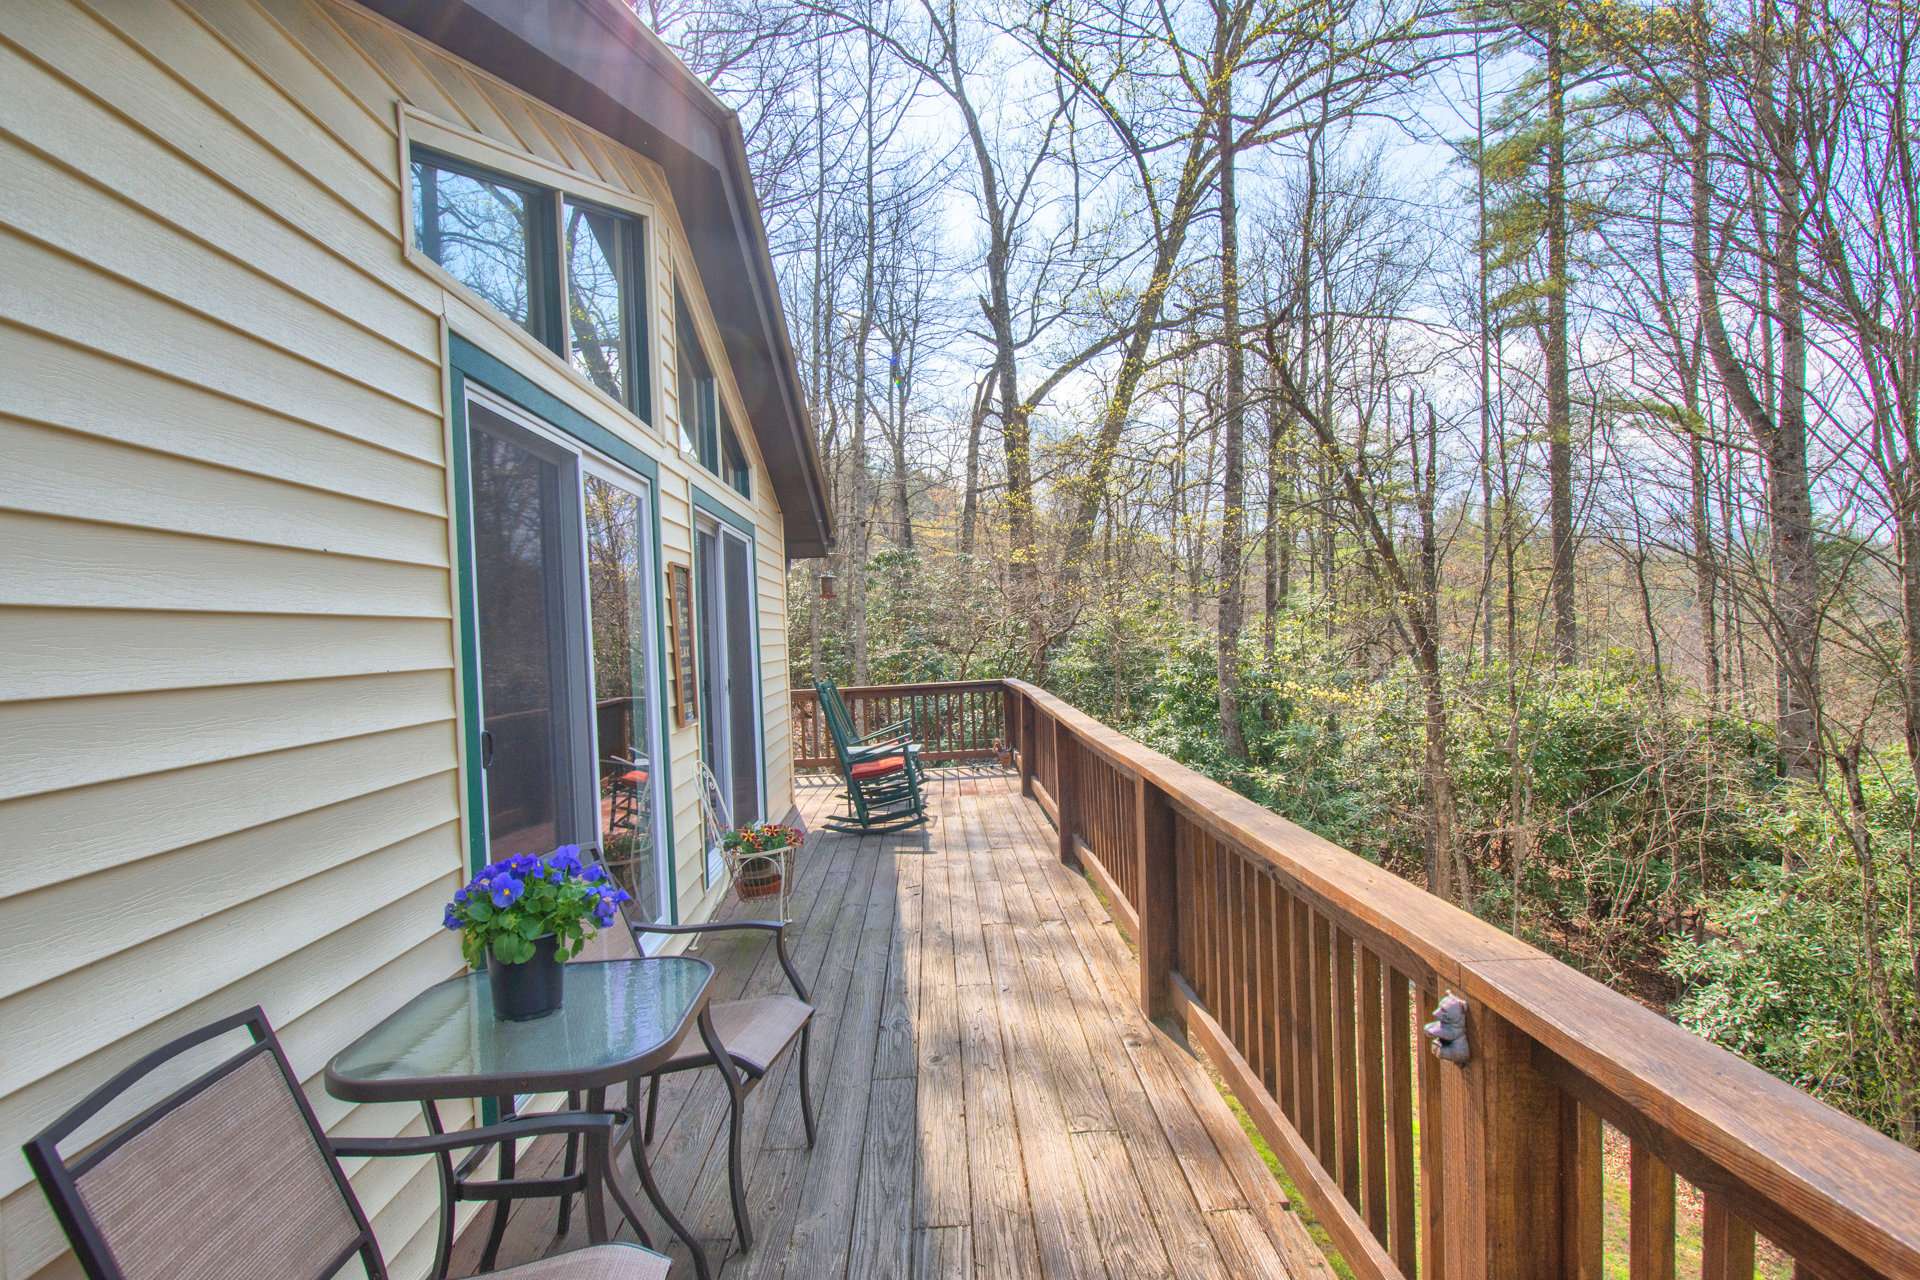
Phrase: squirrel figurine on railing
(1447,1033)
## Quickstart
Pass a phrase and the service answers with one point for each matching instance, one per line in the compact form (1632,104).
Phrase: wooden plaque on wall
(681,650)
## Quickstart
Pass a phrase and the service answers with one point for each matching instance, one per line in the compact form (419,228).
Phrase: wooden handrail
(953,720)
(1290,943)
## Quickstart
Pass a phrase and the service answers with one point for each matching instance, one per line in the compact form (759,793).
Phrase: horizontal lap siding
(228,706)
(227,709)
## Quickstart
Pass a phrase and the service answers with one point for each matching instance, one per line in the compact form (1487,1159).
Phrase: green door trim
(706,502)
(468,363)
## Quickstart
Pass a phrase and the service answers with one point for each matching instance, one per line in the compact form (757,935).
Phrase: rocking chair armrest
(777,928)
(426,1144)
(881,750)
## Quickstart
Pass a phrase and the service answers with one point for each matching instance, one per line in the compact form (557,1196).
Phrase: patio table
(621,1018)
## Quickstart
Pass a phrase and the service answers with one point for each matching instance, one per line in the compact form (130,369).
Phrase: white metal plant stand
(717,821)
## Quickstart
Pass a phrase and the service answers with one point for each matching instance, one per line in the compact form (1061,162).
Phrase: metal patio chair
(230,1177)
(755,1033)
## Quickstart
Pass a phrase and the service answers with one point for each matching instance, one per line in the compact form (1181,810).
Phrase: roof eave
(595,61)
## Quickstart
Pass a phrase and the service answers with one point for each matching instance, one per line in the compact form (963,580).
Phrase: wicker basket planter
(759,878)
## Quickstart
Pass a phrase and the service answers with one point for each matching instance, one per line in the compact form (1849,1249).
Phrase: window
(606,282)
(570,273)
(737,472)
(705,428)
(699,397)
(489,233)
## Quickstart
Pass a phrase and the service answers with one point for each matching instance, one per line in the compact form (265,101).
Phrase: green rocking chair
(881,770)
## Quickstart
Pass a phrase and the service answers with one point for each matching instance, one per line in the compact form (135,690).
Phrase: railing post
(1159,939)
(1027,735)
(1008,709)
(1066,780)
(1505,1169)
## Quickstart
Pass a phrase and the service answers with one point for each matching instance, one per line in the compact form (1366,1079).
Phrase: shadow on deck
(991,1101)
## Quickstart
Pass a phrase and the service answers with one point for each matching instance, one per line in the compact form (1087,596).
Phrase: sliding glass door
(729,674)
(522,548)
(567,633)
(620,602)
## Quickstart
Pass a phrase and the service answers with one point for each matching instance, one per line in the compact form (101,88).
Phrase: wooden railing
(955,720)
(1305,972)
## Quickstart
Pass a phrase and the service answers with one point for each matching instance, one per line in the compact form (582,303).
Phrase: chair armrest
(881,750)
(715,926)
(893,731)
(777,928)
(426,1144)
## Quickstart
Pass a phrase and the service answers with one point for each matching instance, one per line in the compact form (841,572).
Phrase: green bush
(1779,973)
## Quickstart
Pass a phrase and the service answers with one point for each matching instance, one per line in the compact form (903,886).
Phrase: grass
(1322,1239)
(1688,1213)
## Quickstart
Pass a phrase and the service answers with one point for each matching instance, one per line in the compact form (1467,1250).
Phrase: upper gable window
(606,283)
(486,231)
(570,273)
(705,428)
(734,458)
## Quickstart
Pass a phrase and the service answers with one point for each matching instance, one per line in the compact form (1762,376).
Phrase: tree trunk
(1781,437)
(970,503)
(1233,479)
(1559,397)
(1486,367)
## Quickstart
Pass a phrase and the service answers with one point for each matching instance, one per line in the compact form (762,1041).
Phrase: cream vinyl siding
(229,697)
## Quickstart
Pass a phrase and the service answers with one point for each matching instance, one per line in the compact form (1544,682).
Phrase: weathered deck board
(991,1101)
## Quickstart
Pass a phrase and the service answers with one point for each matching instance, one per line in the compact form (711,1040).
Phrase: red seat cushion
(635,778)
(878,768)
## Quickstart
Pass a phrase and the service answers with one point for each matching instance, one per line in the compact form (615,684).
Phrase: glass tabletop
(619,1018)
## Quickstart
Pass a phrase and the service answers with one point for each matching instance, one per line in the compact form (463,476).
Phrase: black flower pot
(532,989)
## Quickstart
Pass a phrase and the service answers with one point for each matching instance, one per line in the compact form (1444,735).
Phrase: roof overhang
(596,61)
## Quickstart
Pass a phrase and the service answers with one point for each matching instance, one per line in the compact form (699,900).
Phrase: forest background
(1484,432)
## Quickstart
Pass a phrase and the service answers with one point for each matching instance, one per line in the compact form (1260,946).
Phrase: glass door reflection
(620,607)
(521,536)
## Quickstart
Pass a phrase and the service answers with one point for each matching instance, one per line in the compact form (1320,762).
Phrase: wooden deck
(991,1102)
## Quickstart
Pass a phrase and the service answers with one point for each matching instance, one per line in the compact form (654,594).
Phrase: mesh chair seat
(598,1262)
(754,1032)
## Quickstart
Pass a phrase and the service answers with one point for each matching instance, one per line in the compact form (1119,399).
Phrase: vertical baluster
(1402,1235)
(1248,975)
(1226,916)
(1234,996)
(1263,961)
(1068,796)
(1326,1142)
(1433,1240)
(1186,899)
(1726,1242)
(1200,937)
(1210,916)
(1306,1079)
(1285,1030)
(1650,1216)
(1373,1128)
(1582,1192)
(1346,1073)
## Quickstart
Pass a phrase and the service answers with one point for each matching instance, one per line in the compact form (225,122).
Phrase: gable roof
(595,61)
